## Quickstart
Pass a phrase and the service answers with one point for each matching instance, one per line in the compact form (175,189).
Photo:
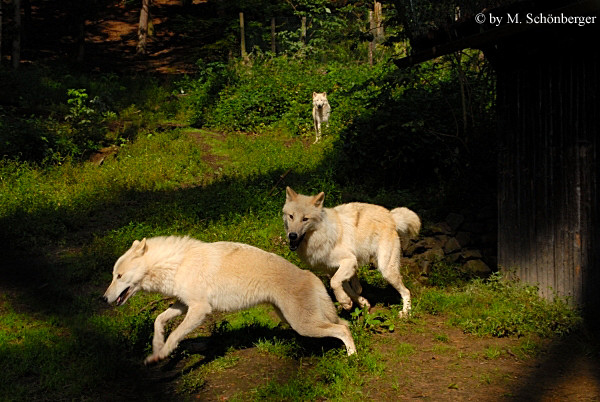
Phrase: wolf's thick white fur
(222,276)
(339,240)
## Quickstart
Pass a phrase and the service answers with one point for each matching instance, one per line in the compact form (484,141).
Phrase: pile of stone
(467,239)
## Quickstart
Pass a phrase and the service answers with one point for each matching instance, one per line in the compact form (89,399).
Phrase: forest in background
(431,124)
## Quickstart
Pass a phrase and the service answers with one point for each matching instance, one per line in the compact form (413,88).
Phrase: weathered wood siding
(549,113)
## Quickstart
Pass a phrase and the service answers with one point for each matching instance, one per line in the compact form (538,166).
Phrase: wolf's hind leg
(388,263)
(323,329)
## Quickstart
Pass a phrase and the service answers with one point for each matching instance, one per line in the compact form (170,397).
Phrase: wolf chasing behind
(320,112)
(339,240)
(222,276)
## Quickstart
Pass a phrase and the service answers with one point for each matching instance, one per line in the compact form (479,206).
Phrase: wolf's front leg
(194,317)
(344,273)
(173,311)
(357,289)
(318,131)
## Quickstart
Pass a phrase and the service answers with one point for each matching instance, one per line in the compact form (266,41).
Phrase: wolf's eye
(304,219)
(119,276)
(291,217)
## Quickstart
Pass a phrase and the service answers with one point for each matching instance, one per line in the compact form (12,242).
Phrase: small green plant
(277,347)
(442,338)
(87,119)
(376,322)
(492,352)
(444,274)
(528,347)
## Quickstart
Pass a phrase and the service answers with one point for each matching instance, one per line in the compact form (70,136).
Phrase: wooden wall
(549,113)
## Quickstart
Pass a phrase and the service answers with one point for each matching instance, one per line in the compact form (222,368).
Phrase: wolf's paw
(404,314)
(346,306)
(152,359)
(363,302)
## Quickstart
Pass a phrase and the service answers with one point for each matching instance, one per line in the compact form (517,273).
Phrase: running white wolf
(222,276)
(320,112)
(339,240)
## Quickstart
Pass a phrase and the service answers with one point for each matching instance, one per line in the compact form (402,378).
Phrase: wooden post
(379,33)
(273,41)
(243,37)
(372,42)
(303,31)
(143,28)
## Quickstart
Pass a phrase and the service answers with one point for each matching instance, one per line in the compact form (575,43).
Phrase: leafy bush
(50,115)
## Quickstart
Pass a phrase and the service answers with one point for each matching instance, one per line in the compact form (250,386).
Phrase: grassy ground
(63,228)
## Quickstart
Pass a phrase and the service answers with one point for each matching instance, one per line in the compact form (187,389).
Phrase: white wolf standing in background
(321,111)
(339,240)
(222,276)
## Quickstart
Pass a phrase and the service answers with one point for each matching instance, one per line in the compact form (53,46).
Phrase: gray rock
(451,245)
(478,268)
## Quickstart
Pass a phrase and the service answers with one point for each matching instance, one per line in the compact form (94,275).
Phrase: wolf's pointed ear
(314,93)
(318,200)
(140,247)
(290,195)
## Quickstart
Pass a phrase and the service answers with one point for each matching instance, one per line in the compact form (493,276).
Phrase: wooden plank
(548,171)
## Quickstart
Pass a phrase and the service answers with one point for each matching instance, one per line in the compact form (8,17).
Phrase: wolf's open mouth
(123,296)
(294,244)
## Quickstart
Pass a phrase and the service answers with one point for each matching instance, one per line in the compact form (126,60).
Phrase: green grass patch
(499,307)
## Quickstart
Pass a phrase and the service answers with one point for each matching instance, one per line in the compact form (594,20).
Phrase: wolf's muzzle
(295,240)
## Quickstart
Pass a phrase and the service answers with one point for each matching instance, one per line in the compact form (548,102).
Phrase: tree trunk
(243,38)
(462,80)
(16,44)
(273,37)
(379,32)
(372,42)
(143,28)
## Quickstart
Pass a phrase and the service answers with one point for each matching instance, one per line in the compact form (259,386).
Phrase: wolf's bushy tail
(407,222)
